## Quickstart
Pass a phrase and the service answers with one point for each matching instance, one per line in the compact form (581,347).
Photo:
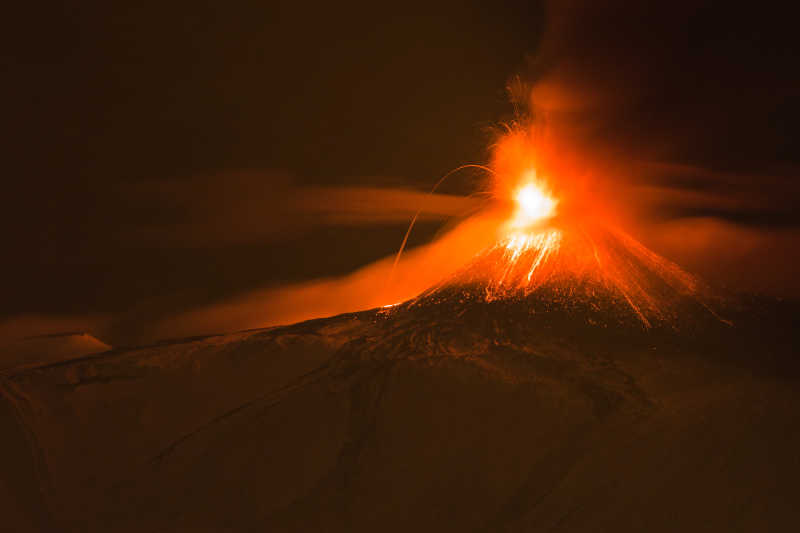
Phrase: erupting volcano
(562,263)
(564,377)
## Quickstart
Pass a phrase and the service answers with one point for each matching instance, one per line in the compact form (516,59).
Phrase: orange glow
(526,234)
(556,242)
(548,233)
(533,204)
(544,235)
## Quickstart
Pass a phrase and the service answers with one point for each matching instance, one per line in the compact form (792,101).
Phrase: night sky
(149,148)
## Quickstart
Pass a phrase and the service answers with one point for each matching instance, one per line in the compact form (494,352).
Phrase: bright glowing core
(533,204)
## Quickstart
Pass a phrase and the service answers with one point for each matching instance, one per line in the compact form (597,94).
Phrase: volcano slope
(550,407)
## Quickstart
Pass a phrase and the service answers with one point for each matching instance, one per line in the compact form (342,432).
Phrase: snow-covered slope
(48,348)
(430,416)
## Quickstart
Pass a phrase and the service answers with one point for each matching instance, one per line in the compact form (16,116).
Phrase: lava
(533,202)
(556,252)
(553,247)
(534,206)
(538,246)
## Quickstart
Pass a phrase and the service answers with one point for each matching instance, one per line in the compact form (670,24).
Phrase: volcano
(564,379)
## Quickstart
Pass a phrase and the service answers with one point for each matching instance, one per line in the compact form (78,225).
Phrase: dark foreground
(375,422)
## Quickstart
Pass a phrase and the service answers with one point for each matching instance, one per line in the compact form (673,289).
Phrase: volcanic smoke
(557,252)
(545,237)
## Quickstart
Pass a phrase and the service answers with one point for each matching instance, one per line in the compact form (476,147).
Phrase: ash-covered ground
(441,414)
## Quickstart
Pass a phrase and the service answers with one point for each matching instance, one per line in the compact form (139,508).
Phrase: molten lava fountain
(551,264)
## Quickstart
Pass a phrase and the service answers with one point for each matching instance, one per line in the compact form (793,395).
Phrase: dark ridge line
(18,403)
(113,352)
(748,299)
(308,378)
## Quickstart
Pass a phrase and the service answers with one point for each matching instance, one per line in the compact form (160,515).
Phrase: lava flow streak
(539,246)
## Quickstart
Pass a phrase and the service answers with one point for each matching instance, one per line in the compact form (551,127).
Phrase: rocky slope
(444,413)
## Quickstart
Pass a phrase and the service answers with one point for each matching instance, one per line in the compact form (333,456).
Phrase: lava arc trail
(555,256)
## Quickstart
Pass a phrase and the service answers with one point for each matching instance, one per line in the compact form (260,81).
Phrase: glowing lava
(526,233)
(559,255)
(533,203)
(572,264)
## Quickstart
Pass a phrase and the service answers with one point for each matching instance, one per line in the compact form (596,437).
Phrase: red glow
(555,241)
(533,203)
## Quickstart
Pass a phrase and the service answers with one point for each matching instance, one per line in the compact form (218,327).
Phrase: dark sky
(126,122)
